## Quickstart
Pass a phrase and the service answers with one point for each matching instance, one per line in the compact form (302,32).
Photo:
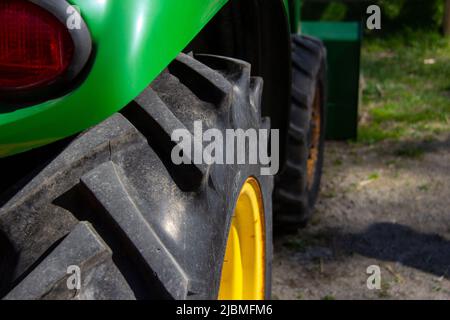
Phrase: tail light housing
(39,54)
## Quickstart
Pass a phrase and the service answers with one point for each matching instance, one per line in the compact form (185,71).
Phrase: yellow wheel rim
(243,274)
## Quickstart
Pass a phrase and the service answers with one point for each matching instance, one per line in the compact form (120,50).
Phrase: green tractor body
(133,41)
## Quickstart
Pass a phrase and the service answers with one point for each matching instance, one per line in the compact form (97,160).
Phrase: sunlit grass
(407,87)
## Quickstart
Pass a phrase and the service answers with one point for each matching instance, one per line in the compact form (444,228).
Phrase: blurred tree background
(405,67)
(397,15)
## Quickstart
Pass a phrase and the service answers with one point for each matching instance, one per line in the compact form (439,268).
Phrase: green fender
(134,41)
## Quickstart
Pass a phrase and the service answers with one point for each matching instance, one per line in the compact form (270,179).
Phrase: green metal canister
(343,43)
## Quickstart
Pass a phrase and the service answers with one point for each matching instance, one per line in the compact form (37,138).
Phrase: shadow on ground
(386,242)
(397,243)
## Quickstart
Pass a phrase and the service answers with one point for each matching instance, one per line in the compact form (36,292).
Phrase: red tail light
(35,47)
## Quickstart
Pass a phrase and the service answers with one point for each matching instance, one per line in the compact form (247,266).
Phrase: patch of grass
(373,133)
(374,176)
(330,194)
(424,187)
(437,288)
(329,297)
(413,152)
(338,162)
(407,92)
(304,240)
(391,162)
(351,188)
(384,292)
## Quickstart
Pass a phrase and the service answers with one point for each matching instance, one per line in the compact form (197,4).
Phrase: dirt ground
(386,205)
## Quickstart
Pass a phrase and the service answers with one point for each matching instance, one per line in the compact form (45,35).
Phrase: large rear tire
(115,206)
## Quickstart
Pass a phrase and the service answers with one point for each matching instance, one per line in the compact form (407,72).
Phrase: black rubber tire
(294,198)
(114,204)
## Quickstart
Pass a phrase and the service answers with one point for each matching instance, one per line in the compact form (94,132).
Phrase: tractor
(92,205)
